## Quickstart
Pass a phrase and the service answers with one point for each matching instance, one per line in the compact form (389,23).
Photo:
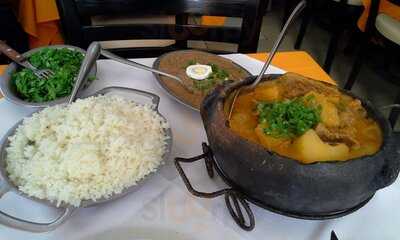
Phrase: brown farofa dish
(176,62)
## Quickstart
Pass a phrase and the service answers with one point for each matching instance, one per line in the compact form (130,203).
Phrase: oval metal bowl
(169,91)
(9,91)
(6,185)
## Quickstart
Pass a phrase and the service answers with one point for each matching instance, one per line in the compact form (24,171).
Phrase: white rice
(90,149)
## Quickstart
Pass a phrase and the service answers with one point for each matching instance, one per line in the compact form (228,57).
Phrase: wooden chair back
(78,29)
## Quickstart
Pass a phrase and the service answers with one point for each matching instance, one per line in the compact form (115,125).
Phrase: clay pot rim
(229,87)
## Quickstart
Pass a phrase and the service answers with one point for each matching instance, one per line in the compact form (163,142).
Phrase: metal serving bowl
(169,91)
(6,185)
(8,88)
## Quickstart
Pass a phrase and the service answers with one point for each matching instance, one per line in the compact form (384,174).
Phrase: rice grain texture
(88,150)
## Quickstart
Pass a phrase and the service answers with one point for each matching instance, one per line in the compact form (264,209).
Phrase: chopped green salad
(289,118)
(65,64)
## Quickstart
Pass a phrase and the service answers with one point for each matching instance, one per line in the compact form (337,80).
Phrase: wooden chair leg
(181,19)
(337,18)
(395,113)
(303,28)
(331,50)
(354,39)
(390,55)
(269,6)
(355,70)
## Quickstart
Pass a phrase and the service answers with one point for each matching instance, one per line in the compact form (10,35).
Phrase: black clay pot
(314,191)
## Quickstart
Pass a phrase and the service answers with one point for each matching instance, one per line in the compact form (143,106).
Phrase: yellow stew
(305,120)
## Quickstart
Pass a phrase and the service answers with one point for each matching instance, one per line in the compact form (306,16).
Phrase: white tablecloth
(163,209)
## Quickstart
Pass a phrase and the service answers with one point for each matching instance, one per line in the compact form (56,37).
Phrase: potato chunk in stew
(310,148)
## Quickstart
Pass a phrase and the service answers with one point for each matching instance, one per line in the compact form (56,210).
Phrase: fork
(22,61)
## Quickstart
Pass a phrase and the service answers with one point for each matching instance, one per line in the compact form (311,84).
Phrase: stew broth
(344,130)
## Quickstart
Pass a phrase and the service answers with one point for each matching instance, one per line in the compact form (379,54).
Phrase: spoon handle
(271,55)
(112,56)
(278,41)
(92,53)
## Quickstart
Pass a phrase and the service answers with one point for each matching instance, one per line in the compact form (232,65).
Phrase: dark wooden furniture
(336,17)
(78,30)
(11,30)
(391,51)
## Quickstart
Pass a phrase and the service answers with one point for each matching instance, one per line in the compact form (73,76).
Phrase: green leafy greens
(289,118)
(217,76)
(65,64)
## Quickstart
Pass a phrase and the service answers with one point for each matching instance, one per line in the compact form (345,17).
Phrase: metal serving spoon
(92,53)
(277,43)
(117,58)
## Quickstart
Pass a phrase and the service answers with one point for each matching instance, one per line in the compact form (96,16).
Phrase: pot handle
(231,195)
(391,167)
(25,225)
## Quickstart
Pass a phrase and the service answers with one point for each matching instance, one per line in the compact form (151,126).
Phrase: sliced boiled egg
(198,71)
